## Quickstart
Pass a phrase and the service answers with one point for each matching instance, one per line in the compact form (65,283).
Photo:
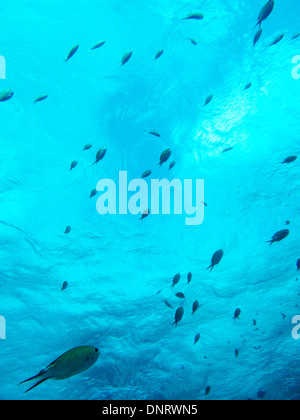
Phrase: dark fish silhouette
(168,304)
(298,264)
(99,45)
(277,40)
(71,53)
(196,16)
(217,257)
(159,54)
(197,338)
(172,164)
(145,214)
(190,276)
(248,86)
(195,307)
(64,286)
(180,295)
(265,12)
(261,394)
(237,353)
(208,99)
(164,157)
(93,193)
(40,98)
(295,36)
(126,57)
(237,314)
(146,174)
(176,280)
(154,133)
(73,165)
(100,155)
(87,147)
(5,95)
(257,37)
(193,41)
(207,390)
(178,315)
(279,236)
(290,159)
(68,230)
(228,149)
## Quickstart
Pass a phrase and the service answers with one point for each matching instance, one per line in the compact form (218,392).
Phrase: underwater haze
(119,270)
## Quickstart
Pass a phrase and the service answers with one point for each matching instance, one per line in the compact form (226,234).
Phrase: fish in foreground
(237,313)
(40,98)
(100,155)
(6,95)
(164,157)
(277,39)
(71,363)
(190,276)
(208,99)
(237,353)
(180,295)
(197,338)
(99,45)
(71,53)
(265,12)
(145,214)
(159,54)
(217,257)
(176,280)
(257,37)
(290,159)
(126,57)
(196,16)
(279,236)
(178,316)
(298,264)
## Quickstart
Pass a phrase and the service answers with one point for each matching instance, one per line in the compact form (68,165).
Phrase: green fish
(71,363)
(41,98)
(99,45)
(6,95)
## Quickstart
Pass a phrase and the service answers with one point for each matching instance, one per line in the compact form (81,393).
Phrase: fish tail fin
(258,24)
(270,242)
(175,323)
(41,377)
(159,164)
(211,266)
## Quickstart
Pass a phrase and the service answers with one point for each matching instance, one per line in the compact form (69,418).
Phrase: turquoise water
(115,265)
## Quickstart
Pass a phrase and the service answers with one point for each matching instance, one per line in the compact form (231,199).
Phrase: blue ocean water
(115,265)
